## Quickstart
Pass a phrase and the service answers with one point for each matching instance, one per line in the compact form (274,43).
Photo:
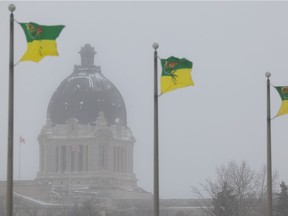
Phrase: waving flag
(41,41)
(283,92)
(176,73)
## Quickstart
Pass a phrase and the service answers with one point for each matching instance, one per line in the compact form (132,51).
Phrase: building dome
(86,93)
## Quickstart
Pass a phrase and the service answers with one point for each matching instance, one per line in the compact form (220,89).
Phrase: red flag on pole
(22,140)
(76,148)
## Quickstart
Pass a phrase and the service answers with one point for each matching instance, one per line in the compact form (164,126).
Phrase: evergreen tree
(225,202)
(281,207)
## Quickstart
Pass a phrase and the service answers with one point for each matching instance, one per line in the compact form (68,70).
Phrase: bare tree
(2,206)
(93,206)
(143,210)
(248,186)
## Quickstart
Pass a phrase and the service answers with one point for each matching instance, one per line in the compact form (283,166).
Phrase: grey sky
(222,118)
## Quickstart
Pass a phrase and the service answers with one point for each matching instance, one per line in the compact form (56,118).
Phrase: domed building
(86,155)
(86,142)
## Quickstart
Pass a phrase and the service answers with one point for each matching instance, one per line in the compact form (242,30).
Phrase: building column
(110,157)
(69,152)
(41,157)
(44,159)
(77,161)
(131,159)
(59,159)
(114,158)
(86,158)
(56,148)
(118,159)
(122,159)
(125,160)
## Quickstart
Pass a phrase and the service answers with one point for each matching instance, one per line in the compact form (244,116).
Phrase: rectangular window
(86,158)
(63,158)
(80,158)
(72,161)
(57,159)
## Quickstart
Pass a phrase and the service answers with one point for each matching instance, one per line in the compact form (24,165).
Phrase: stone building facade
(86,140)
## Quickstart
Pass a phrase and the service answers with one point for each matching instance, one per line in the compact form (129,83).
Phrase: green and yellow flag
(41,41)
(283,92)
(176,73)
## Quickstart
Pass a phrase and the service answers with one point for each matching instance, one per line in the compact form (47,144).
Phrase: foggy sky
(221,118)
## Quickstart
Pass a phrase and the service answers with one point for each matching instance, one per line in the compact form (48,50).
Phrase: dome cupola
(86,93)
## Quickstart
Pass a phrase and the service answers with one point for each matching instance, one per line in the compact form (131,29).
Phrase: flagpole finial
(268,74)
(12,7)
(155,45)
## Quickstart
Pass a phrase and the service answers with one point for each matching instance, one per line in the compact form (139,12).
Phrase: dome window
(66,106)
(76,87)
(81,104)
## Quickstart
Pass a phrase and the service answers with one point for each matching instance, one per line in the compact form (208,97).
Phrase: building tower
(86,142)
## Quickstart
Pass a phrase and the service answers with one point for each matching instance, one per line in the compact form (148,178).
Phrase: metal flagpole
(19,158)
(156,137)
(9,201)
(269,161)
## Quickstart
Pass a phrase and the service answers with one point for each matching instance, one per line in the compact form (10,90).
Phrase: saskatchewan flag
(283,92)
(41,41)
(176,73)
